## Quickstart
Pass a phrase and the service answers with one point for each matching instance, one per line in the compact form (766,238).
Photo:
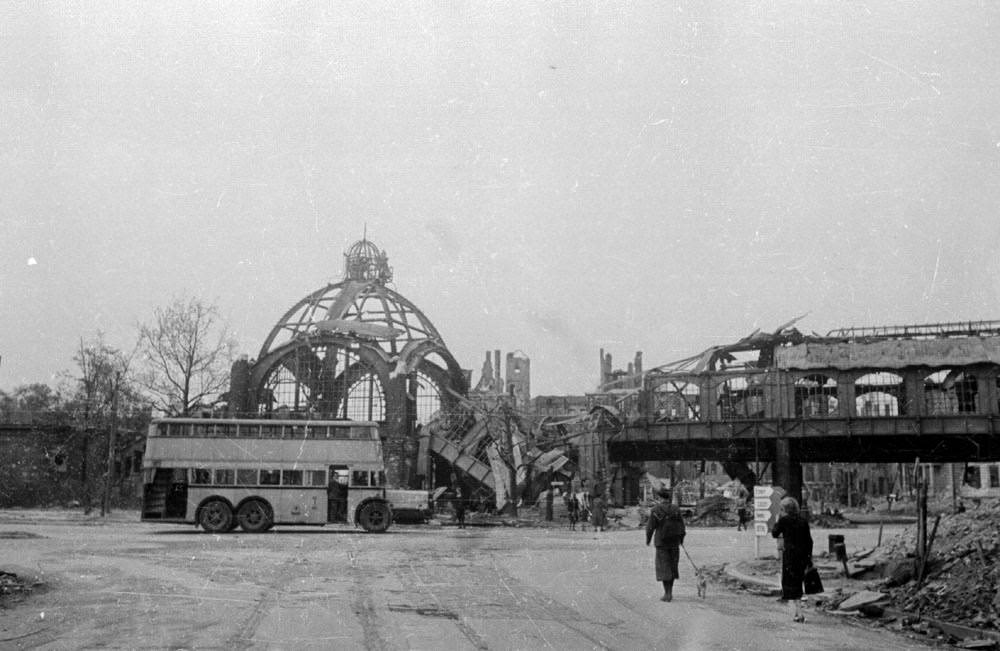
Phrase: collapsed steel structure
(887,394)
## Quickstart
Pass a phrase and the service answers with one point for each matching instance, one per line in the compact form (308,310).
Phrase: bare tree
(188,351)
(99,364)
(103,389)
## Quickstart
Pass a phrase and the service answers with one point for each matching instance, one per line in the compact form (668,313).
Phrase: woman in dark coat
(796,554)
(665,528)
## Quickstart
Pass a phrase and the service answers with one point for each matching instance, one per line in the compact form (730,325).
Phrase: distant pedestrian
(459,505)
(665,529)
(572,510)
(796,554)
(742,508)
(743,517)
(598,515)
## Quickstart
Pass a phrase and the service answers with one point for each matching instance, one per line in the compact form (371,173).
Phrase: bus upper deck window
(359,478)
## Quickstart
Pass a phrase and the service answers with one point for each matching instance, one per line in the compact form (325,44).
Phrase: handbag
(811,579)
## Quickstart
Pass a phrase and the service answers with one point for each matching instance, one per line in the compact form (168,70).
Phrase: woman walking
(665,528)
(796,554)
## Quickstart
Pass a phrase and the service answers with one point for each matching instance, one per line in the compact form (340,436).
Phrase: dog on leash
(702,584)
(701,576)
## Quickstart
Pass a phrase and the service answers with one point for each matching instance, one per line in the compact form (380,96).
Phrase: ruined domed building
(357,350)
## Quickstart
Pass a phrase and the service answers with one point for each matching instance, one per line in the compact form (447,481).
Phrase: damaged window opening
(816,396)
(951,391)
(677,400)
(879,394)
(741,397)
(365,400)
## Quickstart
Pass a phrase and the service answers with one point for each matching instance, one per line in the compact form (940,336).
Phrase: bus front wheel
(375,517)
(216,517)
(255,516)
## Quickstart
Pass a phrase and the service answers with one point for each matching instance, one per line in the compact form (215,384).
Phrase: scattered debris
(14,588)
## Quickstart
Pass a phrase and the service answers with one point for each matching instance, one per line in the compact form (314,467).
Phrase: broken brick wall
(48,468)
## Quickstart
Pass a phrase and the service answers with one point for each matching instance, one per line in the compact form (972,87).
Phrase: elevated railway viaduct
(868,395)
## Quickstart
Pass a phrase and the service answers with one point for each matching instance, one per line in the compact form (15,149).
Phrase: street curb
(772,586)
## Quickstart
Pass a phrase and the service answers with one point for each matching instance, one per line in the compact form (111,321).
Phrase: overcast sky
(553,178)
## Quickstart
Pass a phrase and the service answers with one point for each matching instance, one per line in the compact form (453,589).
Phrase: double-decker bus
(253,473)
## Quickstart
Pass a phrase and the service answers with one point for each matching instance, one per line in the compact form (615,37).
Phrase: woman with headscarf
(796,553)
(665,528)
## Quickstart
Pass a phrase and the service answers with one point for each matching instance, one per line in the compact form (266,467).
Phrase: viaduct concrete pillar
(787,471)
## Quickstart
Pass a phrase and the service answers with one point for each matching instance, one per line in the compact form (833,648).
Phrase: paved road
(124,584)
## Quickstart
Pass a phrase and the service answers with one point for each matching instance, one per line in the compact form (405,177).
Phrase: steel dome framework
(355,349)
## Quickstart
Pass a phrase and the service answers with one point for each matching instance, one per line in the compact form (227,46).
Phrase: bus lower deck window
(246,477)
(359,478)
(201,476)
(317,478)
(291,477)
(270,477)
(224,477)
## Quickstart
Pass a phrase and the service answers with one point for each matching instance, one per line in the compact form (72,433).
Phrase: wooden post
(701,481)
(927,552)
(921,516)
(549,498)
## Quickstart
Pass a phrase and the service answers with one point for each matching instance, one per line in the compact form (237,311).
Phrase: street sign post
(767,506)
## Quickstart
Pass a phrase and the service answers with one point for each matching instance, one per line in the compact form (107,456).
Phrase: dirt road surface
(122,584)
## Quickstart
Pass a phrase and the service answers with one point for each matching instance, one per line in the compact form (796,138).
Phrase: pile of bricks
(962,576)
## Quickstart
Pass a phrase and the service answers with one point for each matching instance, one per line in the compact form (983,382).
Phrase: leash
(689,559)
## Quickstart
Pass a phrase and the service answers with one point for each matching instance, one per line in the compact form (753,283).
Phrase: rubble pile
(714,511)
(12,587)
(962,577)
(829,521)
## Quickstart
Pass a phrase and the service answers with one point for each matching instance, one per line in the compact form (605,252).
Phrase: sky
(546,177)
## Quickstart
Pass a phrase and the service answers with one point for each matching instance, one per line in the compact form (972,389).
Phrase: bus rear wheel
(375,517)
(255,516)
(216,517)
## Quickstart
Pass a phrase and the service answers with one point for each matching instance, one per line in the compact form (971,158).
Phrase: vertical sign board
(766,507)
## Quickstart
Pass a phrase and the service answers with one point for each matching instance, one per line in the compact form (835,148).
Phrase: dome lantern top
(365,261)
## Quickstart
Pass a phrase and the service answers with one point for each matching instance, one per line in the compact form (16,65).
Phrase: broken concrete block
(860,599)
